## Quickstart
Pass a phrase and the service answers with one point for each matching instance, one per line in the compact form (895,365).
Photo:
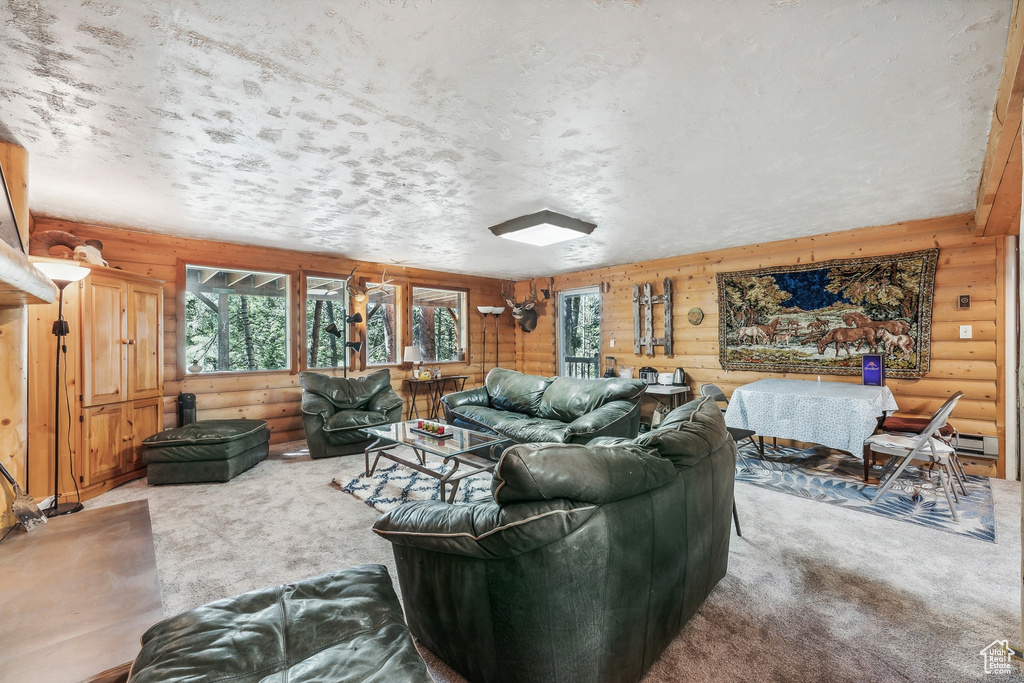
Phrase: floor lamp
(342,334)
(497,310)
(483,363)
(62,274)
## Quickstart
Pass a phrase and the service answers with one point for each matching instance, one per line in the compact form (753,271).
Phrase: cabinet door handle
(125,438)
(131,341)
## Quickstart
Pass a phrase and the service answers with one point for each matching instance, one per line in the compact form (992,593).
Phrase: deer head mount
(523,313)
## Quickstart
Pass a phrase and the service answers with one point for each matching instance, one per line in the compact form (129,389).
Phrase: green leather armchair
(336,409)
(586,563)
(528,408)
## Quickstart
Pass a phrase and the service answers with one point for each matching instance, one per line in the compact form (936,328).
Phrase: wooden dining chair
(928,446)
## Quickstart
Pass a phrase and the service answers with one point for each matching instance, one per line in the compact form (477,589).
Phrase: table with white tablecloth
(835,414)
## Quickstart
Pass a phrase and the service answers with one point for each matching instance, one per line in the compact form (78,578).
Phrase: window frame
(303,341)
(464,333)
(181,346)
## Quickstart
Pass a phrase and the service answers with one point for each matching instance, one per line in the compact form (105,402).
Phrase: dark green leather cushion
(205,440)
(346,394)
(595,474)
(688,433)
(353,419)
(199,471)
(339,627)
(569,398)
(514,391)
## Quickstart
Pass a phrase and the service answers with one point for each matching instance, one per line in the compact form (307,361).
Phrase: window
(381,325)
(325,321)
(579,332)
(439,324)
(235,320)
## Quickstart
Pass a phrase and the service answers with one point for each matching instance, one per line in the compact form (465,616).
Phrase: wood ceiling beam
(1001,164)
(207,274)
(234,278)
(260,280)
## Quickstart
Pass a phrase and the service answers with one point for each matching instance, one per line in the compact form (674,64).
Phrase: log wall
(275,396)
(968,264)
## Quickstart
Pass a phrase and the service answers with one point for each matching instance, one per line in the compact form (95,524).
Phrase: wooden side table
(435,388)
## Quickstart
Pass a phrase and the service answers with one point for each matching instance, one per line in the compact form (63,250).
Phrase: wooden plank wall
(273,396)
(13,338)
(968,264)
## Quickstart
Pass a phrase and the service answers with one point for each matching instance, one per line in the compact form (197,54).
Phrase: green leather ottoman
(206,451)
(339,627)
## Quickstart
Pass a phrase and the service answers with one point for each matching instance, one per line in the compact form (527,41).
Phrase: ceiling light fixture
(543,228)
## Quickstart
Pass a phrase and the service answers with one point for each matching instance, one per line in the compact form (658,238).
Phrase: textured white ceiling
(399,131)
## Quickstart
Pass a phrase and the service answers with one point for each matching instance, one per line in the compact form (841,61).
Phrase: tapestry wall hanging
(819,317)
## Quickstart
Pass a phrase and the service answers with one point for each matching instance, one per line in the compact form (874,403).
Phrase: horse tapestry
(819,317)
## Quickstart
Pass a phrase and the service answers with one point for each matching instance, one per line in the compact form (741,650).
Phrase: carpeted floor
(814,592)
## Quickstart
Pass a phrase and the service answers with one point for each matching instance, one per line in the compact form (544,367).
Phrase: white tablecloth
(834,414)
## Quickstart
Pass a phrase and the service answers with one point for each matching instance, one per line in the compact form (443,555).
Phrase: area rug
(836,478)
(389,487)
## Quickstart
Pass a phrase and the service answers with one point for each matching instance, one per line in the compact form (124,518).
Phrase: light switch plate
(966,331)
(611,343)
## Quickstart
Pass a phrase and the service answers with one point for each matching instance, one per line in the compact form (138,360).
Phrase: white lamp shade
(412,354)
(497,310)
(62,272)
(484,309)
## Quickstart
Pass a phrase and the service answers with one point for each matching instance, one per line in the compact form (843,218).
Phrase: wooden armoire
(113,372)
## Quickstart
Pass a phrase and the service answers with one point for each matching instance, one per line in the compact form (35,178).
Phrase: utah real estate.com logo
(999,657)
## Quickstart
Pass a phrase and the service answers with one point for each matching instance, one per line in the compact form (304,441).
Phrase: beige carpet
(814,592)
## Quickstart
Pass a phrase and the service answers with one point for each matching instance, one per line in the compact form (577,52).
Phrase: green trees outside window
(438,324)
(381,326)
(325,315)
(235,320)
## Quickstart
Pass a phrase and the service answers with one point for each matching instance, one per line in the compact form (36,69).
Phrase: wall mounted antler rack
(644,298)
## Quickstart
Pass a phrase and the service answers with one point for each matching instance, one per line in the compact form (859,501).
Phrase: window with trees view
(235,320)
(439,323)
(381,325)
(325,321)
(579,313)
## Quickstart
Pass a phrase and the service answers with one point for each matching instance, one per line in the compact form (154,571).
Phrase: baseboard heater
(978,446)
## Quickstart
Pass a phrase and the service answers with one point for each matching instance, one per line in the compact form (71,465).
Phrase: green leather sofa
(586,563)
(530,409)
(343,627)
(336,409)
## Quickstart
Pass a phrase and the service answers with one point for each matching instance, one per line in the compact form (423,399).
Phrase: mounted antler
(523,313)
(354,290)
(384,281)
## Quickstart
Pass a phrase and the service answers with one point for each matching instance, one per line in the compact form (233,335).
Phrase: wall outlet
(611,343)
(966,331)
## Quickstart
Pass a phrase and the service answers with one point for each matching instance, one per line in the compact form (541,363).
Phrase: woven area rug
(390,486)
(836,478)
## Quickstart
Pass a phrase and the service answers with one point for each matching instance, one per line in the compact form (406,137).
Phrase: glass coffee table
(473,451)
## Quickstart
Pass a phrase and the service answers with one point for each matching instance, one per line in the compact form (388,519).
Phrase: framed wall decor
(819,318)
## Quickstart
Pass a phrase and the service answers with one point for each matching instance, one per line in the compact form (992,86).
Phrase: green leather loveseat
(336,409)
(586,563)
(528,409)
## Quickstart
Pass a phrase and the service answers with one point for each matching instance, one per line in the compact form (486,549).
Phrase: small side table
(435,390)
(674,392)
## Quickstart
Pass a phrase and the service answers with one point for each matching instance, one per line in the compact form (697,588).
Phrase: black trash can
(186,409)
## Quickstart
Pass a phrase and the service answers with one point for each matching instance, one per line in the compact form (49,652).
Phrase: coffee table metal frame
(457,451)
